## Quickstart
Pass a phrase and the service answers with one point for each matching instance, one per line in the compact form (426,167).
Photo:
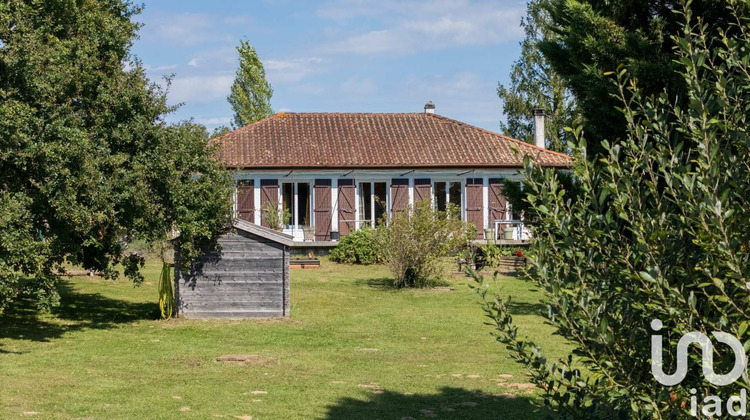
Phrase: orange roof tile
(369,140)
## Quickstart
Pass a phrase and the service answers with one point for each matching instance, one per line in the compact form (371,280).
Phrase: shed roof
(373,140)
(263,232)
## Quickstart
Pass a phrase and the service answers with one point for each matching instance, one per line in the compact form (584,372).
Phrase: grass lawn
(354,348)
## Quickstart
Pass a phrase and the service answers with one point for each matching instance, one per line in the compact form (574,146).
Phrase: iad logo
(740,361)
(712,404)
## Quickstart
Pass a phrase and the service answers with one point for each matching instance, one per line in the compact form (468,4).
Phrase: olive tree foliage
(535,84)
(251,93)
(87,161)
(658,230)
(414,240)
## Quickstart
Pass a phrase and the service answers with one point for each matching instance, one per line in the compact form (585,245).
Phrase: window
(454,196)
(287,200)
(440,196)
(295,197)
(379,193)
(448,193)
(373,197)
(365,202)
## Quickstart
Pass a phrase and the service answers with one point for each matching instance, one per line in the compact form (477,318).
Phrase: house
(337,172)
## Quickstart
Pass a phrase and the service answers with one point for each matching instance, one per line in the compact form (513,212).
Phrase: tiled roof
(362,140)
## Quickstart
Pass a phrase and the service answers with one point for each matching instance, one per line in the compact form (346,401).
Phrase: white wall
(379,175)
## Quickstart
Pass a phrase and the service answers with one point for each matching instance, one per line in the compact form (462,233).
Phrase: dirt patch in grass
(247,359)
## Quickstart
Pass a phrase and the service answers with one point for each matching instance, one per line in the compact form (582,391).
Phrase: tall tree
(534,84)
(251,92)
(594,37)
(653,246)
(86,159)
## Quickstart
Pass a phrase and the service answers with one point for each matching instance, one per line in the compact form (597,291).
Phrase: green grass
(104,354)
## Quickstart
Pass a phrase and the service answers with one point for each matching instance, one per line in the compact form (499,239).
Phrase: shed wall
(248,278)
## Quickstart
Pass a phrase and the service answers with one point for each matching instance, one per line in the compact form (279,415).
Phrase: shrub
(276,219)
(359,247)
(414,241)
(658,231)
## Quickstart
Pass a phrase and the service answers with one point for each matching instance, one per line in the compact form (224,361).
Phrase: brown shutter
(498,205)
(269,193)
(246,200)
(399,195)
(346,207)
(422,190)
(475,205)
(323,217)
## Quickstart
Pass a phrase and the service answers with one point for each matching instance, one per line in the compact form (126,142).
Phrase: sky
(336,55)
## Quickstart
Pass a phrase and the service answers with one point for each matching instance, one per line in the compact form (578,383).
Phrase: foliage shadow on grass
(22,321)
(386,283)
(527,308)
(383,283)
(449,402)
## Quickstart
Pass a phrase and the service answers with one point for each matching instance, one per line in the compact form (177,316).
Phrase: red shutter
(399,195)
(498,205)
(246,201)
(422,190)
(475,205)
(323,216)
(346,207)
(269,193)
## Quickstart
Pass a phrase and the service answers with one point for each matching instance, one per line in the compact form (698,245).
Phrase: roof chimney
(539,128)
(429,108)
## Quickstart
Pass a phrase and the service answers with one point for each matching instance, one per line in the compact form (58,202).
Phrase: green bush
(359,247)
(414,241)
(658,230)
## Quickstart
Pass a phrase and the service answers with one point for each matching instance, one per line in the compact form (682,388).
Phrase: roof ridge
(533,146)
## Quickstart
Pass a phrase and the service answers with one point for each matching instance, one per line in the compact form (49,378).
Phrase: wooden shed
(248,278)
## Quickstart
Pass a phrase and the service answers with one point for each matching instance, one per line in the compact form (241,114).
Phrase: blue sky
(336,55)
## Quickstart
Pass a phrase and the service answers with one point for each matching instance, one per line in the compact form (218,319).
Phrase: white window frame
(371,181)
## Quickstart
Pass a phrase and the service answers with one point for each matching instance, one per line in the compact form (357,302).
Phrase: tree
(251,93)
(657,231)
(594,37)
(220,131)
(534,84)
(86,160)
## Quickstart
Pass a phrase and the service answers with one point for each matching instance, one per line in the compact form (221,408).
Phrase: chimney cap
(539,111)
(429,107)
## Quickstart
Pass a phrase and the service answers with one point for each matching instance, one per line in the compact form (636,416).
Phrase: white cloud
(189,29)
(165,67)
(183,29)
(288,71)
(217,58)
(465,96)
(357,87)
(200,89)
(214,120)
(415,27)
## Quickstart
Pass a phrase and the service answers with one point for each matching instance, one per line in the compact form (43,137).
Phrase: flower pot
(508,233)
(489,234)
